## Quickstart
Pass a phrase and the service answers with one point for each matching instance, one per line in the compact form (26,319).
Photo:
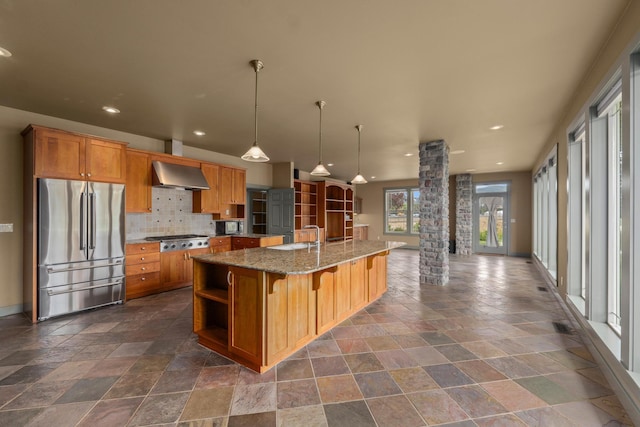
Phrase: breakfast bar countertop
(308,259)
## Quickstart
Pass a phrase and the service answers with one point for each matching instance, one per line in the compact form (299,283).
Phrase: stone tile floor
(482,351)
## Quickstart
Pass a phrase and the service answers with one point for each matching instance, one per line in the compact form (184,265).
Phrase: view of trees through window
(402,211)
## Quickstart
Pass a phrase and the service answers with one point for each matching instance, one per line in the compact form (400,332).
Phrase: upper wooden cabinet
(138,181)
(232,192)
(65,155)
(232,186)
(206,201)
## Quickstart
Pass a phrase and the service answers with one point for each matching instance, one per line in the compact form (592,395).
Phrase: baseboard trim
(10,310)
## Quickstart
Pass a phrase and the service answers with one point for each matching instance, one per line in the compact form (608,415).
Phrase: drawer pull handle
(141,258)
(229,277)
(143,268)
(143,279)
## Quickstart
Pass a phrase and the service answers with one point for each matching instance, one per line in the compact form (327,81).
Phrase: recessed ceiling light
(470,170)
(456,152)
(199,133)
(329,164)
(111,110)
(408,154)
(4,52)
(496,127)
(373,177)
(499,163)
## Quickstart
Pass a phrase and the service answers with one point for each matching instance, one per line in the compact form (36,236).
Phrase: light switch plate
(6,228)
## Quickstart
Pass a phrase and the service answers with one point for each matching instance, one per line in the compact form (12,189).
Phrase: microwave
(229,227)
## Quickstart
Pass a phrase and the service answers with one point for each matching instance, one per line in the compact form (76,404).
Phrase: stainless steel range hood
(172,175)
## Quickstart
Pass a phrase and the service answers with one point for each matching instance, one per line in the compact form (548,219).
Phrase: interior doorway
(491,218)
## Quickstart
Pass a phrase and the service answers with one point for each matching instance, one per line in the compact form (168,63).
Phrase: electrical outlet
(6,228)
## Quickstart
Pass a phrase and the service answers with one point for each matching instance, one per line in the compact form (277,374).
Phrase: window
(402,211)
(545,208)
(614,220)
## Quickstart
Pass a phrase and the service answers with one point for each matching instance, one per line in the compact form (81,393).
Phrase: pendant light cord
(359,128)
(320,145)
(257,66)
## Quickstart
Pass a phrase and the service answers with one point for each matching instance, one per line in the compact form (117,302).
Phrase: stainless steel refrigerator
(81,242)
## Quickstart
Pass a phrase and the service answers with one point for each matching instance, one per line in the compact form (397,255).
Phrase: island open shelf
(259,306)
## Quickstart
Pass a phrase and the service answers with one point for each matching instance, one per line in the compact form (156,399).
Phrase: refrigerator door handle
(93,221)
(62,270)
(68,291)
(83,234)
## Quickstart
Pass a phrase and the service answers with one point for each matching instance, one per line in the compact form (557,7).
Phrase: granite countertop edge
(299,261)
(209,235)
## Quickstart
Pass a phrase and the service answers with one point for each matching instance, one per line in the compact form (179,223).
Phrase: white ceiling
(407,70)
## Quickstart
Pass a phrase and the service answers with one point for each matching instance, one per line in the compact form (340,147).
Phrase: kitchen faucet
(317,243)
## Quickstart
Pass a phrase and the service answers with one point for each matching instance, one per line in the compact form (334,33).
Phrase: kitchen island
(258,306)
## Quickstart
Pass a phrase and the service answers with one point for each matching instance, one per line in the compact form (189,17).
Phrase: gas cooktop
(180,242)
(175,237)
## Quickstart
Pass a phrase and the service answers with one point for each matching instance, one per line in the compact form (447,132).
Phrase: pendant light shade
(255,154)
(320,170)
(359,179)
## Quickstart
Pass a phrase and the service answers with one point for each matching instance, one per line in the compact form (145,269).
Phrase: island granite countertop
(299,261)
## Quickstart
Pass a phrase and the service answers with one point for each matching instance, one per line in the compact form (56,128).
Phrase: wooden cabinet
(361,232)
(307,235)
(306,201)
(66,155)
(143,269)
(220,244)
(240,242)
(260,318)
(206,201)
(377,275)
(138,181)
(245,299)
(290,315)
(324,286)
(232,194)
(335,210)
(358,281)
(176,268)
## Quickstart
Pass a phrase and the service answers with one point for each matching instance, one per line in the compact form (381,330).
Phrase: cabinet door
(245,334)
(59,155)
(377,275)
(206,201)
(106,161)
(324,284)
(225,195)
(358,282)
(138,182)
(343,291)
(173,269)
(239,196)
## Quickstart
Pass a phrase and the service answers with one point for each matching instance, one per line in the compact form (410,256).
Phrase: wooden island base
(259,318)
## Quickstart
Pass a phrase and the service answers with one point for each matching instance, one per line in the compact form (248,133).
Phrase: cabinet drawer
(142,284)
(142,248)
(147,267)
(220,241)
(142,258)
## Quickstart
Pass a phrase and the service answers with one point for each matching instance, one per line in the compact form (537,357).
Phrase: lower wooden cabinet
(244,242)
(220,244)
(361,232)
(245,298)
(377,275)
(142,269)
(258,318)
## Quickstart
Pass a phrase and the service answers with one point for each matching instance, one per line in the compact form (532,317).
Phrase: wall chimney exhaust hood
(171,175)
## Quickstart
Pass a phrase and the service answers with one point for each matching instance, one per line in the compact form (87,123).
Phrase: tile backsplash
(171,214)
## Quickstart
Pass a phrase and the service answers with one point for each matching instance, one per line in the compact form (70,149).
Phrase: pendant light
(255,154)
(320,170)
(359,179)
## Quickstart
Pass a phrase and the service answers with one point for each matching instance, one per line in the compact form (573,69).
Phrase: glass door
(491,218)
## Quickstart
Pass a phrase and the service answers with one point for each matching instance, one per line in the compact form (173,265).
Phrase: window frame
(411,210)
